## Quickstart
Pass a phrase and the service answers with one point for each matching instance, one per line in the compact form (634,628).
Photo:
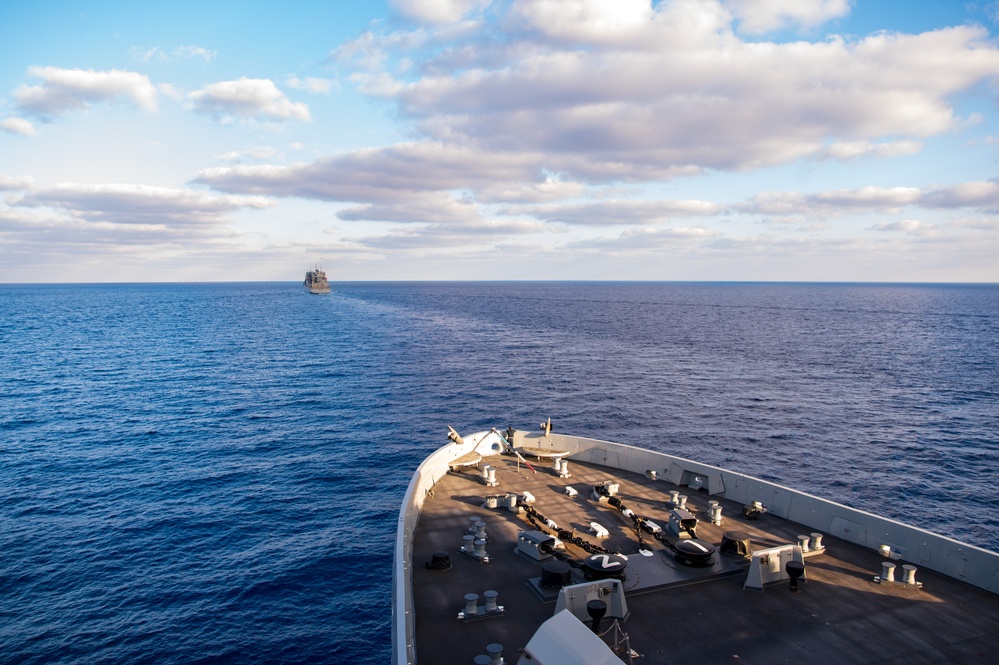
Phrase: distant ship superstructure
(316,282)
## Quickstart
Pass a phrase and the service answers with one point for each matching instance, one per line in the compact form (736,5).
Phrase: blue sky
(802,140)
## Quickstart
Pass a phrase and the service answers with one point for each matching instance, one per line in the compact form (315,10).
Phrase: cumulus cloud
(633,91)
(378,175)
(908,226)
(418,207)
(65,90)
(550,189)
(585,20)
(438,11)
(256,99)
(8,183)
(760,16)
(647,239)
(831,203)
(606,213)
(981,194)
(799,208)
(847,150)
(14,125)
(140,204)
(479,236)
(121,224)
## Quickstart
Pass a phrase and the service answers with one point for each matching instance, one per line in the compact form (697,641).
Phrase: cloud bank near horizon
(549,128)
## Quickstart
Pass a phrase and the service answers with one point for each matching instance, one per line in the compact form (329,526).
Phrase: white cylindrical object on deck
(471,604)
(888,571)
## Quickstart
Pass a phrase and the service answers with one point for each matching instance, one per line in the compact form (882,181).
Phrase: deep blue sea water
(195,473)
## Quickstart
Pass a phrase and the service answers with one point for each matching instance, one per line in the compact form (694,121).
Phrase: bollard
(475,522)
(909,574)
(817,541)
(803,543)
(888,572)
(716,511)
(495,652)
(491,605)
(471,604)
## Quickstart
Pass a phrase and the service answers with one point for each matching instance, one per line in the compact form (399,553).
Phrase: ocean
(211,473)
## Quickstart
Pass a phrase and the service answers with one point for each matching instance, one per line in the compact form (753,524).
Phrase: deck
(678,615)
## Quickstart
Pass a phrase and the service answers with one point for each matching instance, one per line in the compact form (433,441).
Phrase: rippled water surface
(211,472)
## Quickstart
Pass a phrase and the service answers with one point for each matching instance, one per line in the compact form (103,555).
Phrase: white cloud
(868,198)
(438,11)
(155,53)
(760,16)
(981,194)
(481,236)
(607,213)
(171,91)
(253,153)
(648,239)
(632,91)
(257,99)
(132,204)
(908,226)
(309,84)
(550,189)
(585,20)
(987,224)
(15,125)
(798,208)
(192,51)
(832,203)
(147,54)
(378,175)
(65,90)
(7,183)
(422,207)
(846,150)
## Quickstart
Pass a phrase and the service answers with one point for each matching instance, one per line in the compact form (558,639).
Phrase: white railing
(426,476)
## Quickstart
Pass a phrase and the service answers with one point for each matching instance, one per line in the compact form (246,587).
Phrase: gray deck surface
(839,616)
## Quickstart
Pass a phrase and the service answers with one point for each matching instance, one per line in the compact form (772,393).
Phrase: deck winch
(693,552)
(604,566)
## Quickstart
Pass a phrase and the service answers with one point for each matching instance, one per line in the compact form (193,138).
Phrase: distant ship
(316,282)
